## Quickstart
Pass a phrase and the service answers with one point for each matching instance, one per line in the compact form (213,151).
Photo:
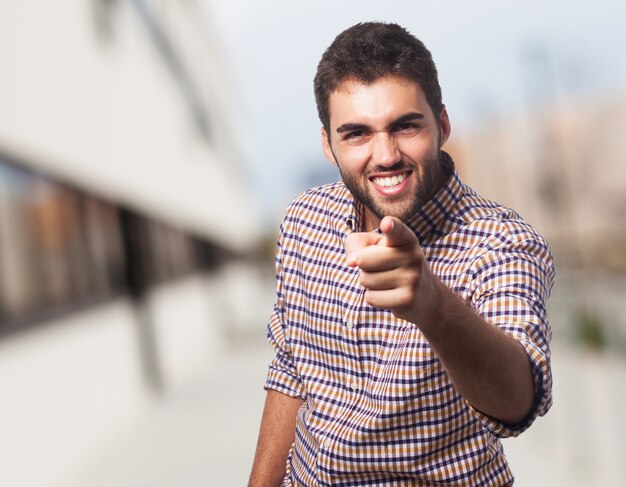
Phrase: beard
(426,187)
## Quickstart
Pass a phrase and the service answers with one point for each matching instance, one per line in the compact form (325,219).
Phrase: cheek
(354,159)
(421,148)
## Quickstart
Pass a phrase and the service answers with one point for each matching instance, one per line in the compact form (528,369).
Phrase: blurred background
(148,149)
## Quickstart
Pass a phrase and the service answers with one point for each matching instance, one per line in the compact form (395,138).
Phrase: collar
(429,221)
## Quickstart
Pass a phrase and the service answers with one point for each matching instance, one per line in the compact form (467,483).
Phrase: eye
(355,135)
(406,127)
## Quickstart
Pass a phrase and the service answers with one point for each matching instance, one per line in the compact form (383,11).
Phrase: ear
(444,126)
(328,152)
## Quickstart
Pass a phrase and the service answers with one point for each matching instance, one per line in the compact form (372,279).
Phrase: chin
(404,213)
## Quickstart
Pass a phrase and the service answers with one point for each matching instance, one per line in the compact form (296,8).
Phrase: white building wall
(107,113)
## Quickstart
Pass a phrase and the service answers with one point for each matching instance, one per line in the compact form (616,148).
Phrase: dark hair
(369,51)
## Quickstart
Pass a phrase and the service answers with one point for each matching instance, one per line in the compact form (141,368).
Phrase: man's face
(386,141)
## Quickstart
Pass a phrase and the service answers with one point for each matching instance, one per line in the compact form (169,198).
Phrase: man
(410,326)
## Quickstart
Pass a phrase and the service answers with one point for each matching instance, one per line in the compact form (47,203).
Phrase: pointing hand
(393,269)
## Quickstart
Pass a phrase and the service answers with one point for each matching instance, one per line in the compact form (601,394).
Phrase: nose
(385,150)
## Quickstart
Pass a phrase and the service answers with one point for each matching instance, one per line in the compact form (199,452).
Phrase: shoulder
(495,224)
(502,238)
(314,223)
(327,202)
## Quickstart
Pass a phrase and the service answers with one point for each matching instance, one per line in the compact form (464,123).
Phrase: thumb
(396,233)
(357,241)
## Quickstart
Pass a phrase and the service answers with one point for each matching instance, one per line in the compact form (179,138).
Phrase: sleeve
(282,375)
(512,285)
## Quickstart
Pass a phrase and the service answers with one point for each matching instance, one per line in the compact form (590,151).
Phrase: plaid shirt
(379,407)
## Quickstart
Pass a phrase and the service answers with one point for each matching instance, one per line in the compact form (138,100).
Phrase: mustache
(398,166)
(401,165)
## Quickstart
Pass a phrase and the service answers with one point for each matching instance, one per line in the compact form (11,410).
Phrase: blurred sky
(493,58)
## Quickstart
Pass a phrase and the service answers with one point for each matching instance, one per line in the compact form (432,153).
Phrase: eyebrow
(407,117)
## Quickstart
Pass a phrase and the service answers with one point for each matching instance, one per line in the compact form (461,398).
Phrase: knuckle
(370,299)
(412,280)
(364,279)
(405,298)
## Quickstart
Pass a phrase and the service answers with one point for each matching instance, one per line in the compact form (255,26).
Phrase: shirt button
(354,386)
(349,325)
(326,443)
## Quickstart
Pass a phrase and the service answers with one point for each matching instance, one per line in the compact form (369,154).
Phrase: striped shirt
(379,408)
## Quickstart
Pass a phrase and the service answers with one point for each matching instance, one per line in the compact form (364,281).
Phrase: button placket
(331,443)
(324,459)
(352,348)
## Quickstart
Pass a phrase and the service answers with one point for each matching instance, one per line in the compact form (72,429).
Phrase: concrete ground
(204,434)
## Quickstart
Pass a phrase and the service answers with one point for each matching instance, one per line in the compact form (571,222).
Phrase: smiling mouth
(389,181)
(391,185)
(386,181)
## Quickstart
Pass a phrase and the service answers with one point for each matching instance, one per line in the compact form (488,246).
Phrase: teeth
(390,181)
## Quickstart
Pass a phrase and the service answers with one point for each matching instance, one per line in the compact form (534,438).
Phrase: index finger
(396,233)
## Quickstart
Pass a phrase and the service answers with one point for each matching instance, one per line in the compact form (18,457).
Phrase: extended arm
(276,435)
(487,366)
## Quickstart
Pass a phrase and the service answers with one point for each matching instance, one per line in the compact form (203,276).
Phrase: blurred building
(125,229)
(560,165)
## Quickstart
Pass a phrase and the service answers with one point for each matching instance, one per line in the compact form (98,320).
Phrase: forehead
(378,102)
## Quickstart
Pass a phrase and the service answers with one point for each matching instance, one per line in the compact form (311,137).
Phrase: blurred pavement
(204,434)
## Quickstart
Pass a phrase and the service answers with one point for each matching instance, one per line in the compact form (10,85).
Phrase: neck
(370,221)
